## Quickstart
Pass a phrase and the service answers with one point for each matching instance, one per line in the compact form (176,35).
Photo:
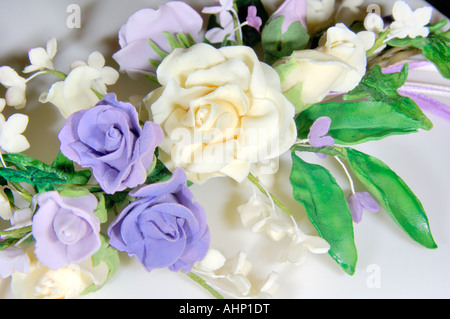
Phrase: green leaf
(101,211)
(62,170)
(110,257)
(360,121)
(325,204)
(393,194)
(383,88)
(278,45)
(435,49)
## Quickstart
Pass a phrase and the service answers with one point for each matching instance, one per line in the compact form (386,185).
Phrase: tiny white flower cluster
(262,216)
(235,272)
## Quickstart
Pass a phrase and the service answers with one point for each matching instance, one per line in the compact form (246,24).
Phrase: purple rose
(66,229)
(164,227)
(149,24)
(108,139)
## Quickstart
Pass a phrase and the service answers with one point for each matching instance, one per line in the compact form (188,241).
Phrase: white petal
(2,104)
(241,265)
(213,260)
(39,58)
(96,60)
(241,282)
(17,123)
(15,96)
(9,77)
(270,286)
(52,47)
(316,245)
(109,75)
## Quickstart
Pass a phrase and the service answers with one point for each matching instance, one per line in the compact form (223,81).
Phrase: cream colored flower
(15,85)
(319,12)
(41,58)
(338,64)
(222,110)
(409,23)
(77,91)
(11,138)
(65,283)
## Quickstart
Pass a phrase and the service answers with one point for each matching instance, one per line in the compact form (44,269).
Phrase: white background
(405,269)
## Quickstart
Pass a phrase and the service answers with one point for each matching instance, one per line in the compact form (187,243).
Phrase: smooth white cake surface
(390,264)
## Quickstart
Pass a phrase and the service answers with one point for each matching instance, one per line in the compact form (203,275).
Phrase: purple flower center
(68,228)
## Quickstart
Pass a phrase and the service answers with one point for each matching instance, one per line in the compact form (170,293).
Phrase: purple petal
(293,11)
(253,20)
(368,202)
(317,131)
(355,207)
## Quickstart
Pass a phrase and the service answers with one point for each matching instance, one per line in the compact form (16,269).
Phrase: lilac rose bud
(108,139)
(146,24)
(164,227)
(65,228)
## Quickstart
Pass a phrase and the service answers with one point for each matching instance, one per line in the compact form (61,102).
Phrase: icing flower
(11,138)
(13,259)
(358,201)
(149,24)
(341,55)
(318,130)
(67,282)
(76,92)
(221,110)
(226,29)
(41,58)
(409,23)
(292,11)
(66,229)
(163,227)
(15,85)
(252,19)
(109,139)
(319,12)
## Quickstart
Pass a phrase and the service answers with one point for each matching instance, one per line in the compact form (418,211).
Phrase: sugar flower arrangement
(232,96)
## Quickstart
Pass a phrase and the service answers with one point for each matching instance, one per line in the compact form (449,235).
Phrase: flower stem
(256,182)
(204,284)
(237,25)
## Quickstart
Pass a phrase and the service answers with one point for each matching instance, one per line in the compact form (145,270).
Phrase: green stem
(16,232)
(256,182)
(59,74)
(329,150)
(204,284)
(237,25)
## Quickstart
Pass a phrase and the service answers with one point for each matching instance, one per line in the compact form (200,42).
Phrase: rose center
(68,228)
(113,138)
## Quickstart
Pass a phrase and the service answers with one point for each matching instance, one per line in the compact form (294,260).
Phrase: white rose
(68,282)
(338,64)
(222,110)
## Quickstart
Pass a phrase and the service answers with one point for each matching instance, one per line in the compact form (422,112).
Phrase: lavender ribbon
(420,92)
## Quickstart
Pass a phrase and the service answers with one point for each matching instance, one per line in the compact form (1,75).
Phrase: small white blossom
(41,58)
(108,75)
(11,138)
(301,244)
(213,261)
(76,91)
(373,22)
(15,85)
(409,23)
(13,259)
